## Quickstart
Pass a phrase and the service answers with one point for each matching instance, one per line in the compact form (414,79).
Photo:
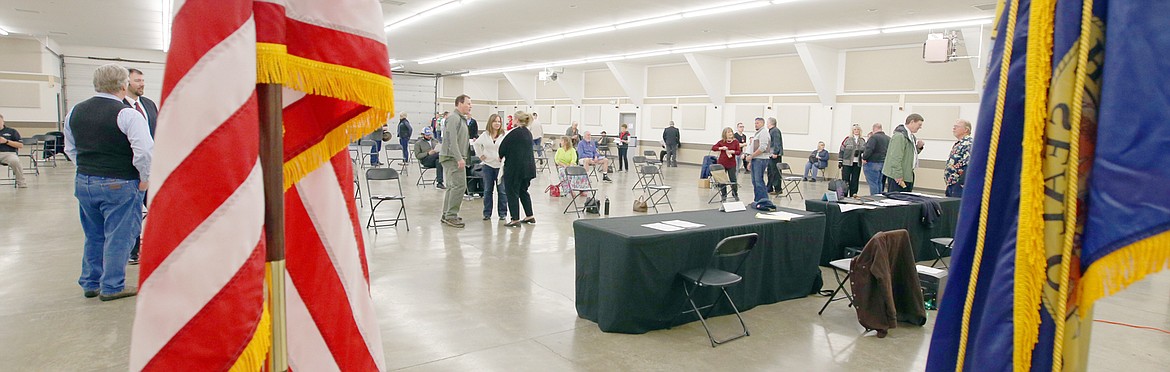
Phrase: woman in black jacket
(519,168)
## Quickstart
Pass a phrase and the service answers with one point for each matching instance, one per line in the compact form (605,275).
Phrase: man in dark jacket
(404,132)
(874,158)
(672,139)
(777,149)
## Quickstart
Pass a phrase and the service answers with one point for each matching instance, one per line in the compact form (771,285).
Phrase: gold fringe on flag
(334,142)
(1031,254)
(1123,267)
(275,66)
(255,355)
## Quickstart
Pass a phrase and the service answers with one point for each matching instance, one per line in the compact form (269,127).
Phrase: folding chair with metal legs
(790,182)
(576,172)
(385,174)
(838,266)
(947,243)
(709,276)
(656,193)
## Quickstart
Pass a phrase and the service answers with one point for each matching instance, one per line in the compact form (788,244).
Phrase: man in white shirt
(537,133)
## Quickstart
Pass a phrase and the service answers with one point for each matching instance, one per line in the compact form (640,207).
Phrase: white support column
(822,64)
(573,83)
(632,78)
(525,84)
(712,74)
(978,43)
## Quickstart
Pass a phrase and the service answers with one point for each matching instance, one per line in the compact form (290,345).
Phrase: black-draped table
(627,274)
(854,228)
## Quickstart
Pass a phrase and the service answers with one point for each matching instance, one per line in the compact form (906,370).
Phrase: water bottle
(607,206)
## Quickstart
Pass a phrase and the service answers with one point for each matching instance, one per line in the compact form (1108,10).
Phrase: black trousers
(773,175)
(892,186)
(851,174)
(432,161)
(517,190)
(623,162)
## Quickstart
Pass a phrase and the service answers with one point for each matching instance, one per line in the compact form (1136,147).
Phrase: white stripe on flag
(307,350)
(214,89)
(326,206)
(349,16)
(197,269)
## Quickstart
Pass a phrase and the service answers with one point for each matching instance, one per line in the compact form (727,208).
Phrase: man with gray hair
(955,174)
(672,140)
(110,143)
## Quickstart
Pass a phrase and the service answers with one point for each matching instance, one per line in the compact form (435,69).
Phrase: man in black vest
(110,143)
(135,99)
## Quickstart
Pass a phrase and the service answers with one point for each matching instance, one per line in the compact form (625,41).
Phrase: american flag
(202,281)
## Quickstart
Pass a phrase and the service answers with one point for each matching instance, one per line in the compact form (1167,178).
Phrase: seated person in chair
(819,159)
(8,152)
(426,150)
(589,157)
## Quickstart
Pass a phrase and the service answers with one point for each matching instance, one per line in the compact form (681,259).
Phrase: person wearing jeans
(819,159)
(874,158)
(404,133)
(760,153)
(111,145)
(488,148)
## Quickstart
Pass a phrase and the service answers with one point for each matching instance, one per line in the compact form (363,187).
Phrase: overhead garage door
(79,78)
(414,95)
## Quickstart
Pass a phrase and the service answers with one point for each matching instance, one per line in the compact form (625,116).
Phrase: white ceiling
(481,23)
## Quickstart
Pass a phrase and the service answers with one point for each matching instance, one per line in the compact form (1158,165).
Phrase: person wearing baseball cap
(426,150)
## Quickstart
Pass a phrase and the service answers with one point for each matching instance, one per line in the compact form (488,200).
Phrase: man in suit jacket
(143,105)
(672,140)
(135,99)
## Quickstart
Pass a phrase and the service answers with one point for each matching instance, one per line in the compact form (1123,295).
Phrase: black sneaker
(440,186)
(133,261)
(606,178)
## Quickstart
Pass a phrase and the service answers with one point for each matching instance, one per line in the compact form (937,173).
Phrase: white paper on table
(779,215)
(926,195)
(662,227)
(683,224)
(853,207)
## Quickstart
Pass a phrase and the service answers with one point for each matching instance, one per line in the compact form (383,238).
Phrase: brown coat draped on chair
(885,283)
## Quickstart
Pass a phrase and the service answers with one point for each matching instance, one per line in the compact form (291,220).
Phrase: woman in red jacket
(729,150)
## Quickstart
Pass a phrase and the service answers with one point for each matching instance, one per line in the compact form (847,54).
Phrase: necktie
(139,108)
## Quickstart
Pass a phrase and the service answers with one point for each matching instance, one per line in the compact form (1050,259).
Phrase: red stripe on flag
(216,336)
(270,28)
(200,185)
(309,119)
(336,47)
(199,26)
(343,169)
(316,279)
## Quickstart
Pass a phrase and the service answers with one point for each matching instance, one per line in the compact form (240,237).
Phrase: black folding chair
(710,276)
(422,175)
(716,185)
(385,174)
(574,172)
(657,193)
(639,162)
(791,182)
(393,153)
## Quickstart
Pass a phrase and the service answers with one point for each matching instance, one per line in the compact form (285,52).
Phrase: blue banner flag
(1060,208)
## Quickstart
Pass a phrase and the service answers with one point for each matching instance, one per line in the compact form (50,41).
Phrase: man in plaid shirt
(955,174)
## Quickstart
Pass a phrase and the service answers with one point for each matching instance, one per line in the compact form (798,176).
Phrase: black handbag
(592,205)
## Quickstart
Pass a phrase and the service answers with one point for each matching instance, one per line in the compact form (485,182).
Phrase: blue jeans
(759,167)
(491,178)
(111,217)
(538,147)
(874,177)
(405,150)
(374,150)
(809,168)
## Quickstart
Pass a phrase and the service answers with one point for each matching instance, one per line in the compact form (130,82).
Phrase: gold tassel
(335,141)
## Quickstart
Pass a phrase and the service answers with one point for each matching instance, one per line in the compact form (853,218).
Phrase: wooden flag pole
(272,165)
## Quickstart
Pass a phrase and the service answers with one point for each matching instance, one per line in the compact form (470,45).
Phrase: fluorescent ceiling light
(974,22)
(761,43)
(166,25)
(425,13)
(648,54)
(543,39)
(725,9)
(837,35)
(591,31)
(699,49)
(650,21)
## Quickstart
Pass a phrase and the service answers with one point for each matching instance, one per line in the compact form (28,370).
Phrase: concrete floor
(489,297)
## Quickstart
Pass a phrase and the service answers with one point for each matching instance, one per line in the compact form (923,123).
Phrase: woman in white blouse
(488,148)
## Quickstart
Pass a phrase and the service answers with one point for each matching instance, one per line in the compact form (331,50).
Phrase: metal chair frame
(732,246)
(385,174)
(578,171)
(652,188)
